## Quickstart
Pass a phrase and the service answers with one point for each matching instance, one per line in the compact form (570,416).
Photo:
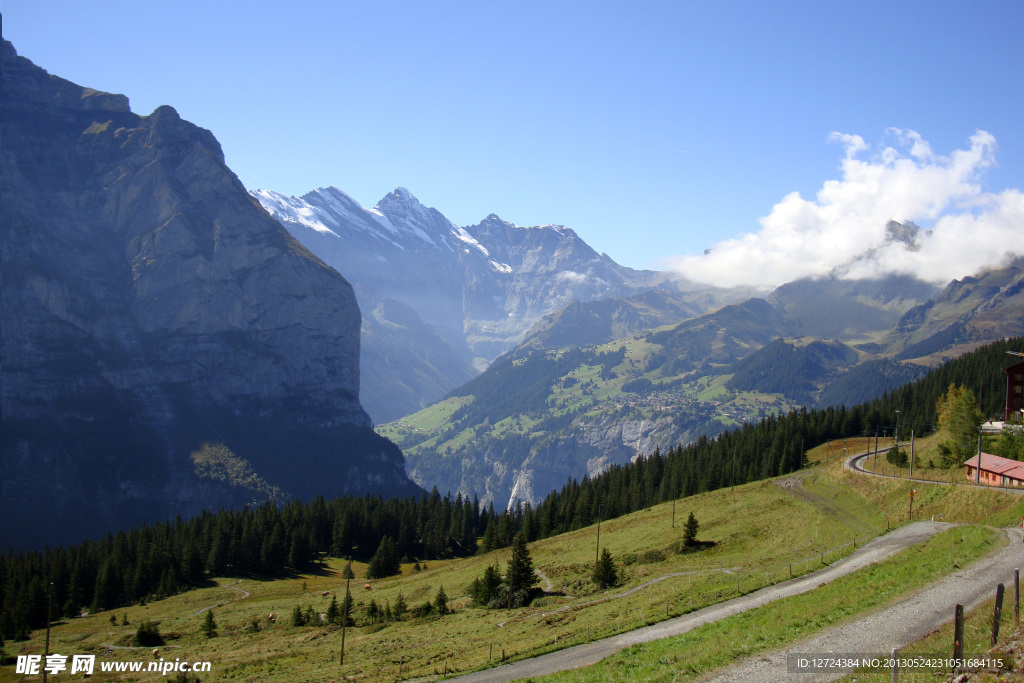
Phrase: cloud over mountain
(845,229)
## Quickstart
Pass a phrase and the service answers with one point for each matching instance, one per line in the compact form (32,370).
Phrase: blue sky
(653,129)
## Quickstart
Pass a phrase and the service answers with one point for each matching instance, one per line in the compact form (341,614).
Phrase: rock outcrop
(151,310)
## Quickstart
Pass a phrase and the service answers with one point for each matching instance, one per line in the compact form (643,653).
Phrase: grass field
(706,648)
(761,533)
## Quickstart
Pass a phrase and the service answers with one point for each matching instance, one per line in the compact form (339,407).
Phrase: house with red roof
(995,471)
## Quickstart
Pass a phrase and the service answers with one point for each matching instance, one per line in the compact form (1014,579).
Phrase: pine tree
(209,628)
(400,607)
(519,575)
(346,609)
(333,610)
(605,575)
(385,561)
(441,601)
(690,531)
(373,612)
(489,583)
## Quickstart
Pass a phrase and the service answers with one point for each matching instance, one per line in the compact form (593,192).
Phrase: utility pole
(597,551)
(911,453)
(49,609)
(344,611)
(733,484)
(977,472)
(874,460)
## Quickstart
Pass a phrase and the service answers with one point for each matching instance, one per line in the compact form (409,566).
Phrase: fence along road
(905,622)
(578,656)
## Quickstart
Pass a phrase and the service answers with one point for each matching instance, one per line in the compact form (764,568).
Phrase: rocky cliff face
(152,308)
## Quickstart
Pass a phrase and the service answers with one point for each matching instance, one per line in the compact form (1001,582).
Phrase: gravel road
(591,653)
(905,622)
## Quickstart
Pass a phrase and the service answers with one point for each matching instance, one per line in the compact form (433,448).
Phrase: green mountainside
(539,416)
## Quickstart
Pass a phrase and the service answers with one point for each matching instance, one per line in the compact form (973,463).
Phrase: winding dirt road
(903,623)
(578,656)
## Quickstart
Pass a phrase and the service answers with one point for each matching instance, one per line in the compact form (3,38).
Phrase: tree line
(156,561)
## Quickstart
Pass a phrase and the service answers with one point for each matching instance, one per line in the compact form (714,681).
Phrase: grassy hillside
(758,531)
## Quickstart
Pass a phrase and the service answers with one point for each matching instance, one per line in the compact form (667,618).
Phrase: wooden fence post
(895,666)
(1016,596)
(958,634)
(997,615)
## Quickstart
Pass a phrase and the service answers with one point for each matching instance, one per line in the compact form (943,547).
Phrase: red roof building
(1014,391)
(996,471)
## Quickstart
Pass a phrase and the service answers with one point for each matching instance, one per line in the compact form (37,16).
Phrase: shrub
(148,635)
(652,556)
(605,575)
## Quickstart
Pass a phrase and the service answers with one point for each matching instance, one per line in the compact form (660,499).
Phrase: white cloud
(843,230)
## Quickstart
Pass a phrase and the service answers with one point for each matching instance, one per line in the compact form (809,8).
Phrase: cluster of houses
(993,470)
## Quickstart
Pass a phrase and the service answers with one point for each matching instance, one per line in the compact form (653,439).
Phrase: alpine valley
(169,347)
(590,364)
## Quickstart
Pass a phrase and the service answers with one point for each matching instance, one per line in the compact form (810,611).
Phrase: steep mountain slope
(536,417)
(461,295)
(414,349)
(601,321)
(167,347)
(849,310)
(967,312)
(795,370)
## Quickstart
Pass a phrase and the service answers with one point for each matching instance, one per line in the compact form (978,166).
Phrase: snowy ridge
(291,210)
(328,211)
(399,218)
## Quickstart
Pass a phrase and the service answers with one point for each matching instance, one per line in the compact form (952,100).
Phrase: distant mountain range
(439,301)
(590,387)
(167,347)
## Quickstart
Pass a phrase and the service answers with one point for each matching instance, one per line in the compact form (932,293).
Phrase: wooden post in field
(911,453)
(997,615)
(895,666)
(958,634)
(875,459)
(1016,596)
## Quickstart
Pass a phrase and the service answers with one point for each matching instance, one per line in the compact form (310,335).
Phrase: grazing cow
(366,586)
(156,653)
(325,594)
(271,617)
